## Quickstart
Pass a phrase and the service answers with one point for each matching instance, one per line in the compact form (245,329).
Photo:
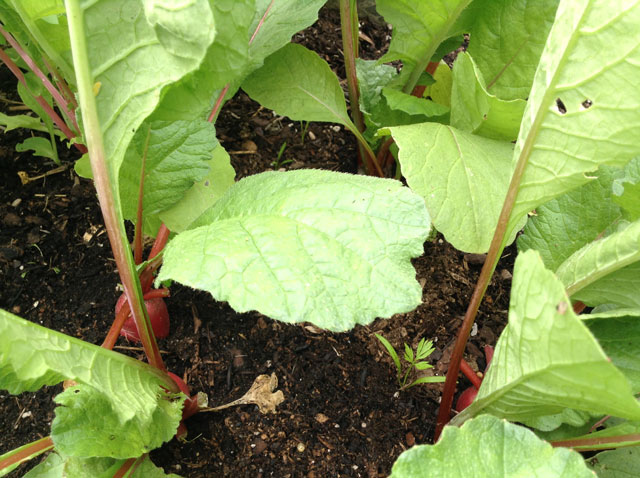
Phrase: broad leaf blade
(620,463)
(317,246)
(130,392)
(487,447)
(297,83)
(177,157)
(150,47)
(203,194)
(565,224)
(546,359)
(463,179)
(508,67)
(475,110)
(602,264)
(584,109)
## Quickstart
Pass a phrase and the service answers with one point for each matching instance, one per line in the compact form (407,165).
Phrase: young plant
(415,362)
(278,163)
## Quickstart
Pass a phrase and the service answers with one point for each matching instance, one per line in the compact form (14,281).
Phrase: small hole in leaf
(206,183)
(76,391)
(561,107)
(587,104)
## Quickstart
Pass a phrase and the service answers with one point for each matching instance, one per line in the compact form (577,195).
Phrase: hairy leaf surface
(508,67)
(487,447)
(463,179)
(546,359)
(329,248)
(124,391)
(584,109)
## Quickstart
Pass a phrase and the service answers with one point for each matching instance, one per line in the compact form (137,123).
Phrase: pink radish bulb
(466,398)
(158,315)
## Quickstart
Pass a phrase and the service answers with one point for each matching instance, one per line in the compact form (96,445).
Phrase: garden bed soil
(343,414)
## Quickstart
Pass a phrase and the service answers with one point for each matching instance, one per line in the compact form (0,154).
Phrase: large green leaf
(487,447)
(475,110)
(226,60)
(136,48)
(297,83)
(627,190)
(203,194)
(418,28)
(329,248)
(546,359)
(620,463)
(563,225)
(463,179)
(610,264)
(123,392)
(508,66)
(584,109)
(177,157)
(618,333)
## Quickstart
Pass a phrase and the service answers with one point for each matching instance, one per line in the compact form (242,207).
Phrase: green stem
(105,185)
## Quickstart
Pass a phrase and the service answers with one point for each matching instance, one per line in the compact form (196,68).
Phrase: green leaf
(177,157)
(421,380)
(21,121)
(463,179)
(226,60)
(392,353)
(126,393)
(40,146)
(620,463)
(546,359)
(565,224)
(509,66)
(329,248)
(422,365)
(408,353)
(475,110)
(584,109)
(397,100)
(418,28)
(440,92)
(604,265)
(297,83)
(487,447)
(627,190)
(203,194)
(618,333)
(372,78)
(51,467)
(135,54)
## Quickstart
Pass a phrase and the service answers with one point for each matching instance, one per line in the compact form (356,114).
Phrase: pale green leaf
(51,467)
(487,447)
(372,78)
(620,463)
(440,92)
(584,109)
(284,19)
(508,66)
(128,391)
(136,48)
(40,146)
(627,190)
(203,194)
(226,60)
(297,83)
(21,121)
(397,100)
(177,157)
(475,110)
(563,225)
(418,27)
(307,245)
(463,179)
(546,359)
(603,260)
(619,288)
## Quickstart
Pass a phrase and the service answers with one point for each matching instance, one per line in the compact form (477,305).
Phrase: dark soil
(343,414)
